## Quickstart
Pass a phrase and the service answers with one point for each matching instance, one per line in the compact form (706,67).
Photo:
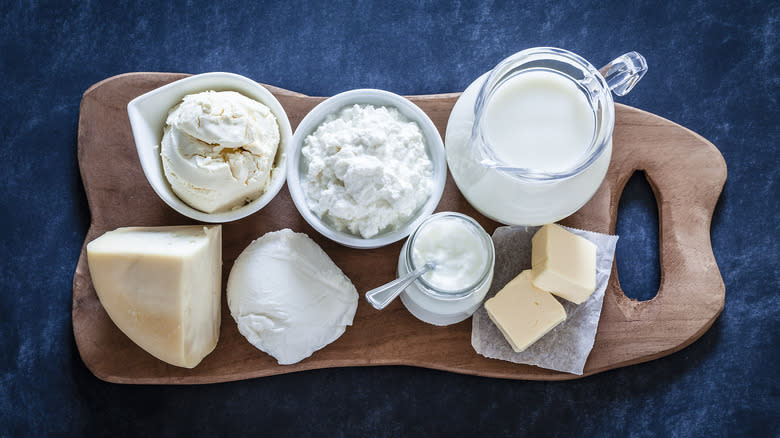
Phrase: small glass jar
(447,302)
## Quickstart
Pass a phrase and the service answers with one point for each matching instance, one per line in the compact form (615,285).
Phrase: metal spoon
(383,295)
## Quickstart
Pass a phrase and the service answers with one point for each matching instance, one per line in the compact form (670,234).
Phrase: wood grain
(686,173)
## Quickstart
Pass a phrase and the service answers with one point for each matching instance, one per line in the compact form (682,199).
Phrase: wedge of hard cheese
(161,287)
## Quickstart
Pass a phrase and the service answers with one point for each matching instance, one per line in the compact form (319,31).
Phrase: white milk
(539,120)
(505,198)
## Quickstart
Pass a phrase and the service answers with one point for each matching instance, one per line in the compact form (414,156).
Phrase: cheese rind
(523,312)
(161,287)
(563,263)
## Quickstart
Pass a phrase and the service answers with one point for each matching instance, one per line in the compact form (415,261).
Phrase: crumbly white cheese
(366,169)
(218,150)
(288,297)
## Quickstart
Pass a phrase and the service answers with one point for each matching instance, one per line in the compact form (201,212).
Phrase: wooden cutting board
(686,173)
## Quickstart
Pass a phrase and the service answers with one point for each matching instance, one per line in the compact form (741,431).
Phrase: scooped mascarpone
(218,150)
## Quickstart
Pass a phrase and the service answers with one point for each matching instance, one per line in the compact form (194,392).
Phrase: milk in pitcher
(530,142)
(539,120)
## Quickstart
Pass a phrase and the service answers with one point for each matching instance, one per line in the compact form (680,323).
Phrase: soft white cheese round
(218,150)
(288,297)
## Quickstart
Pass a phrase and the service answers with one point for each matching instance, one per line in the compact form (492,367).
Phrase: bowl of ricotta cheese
(213,146)
(366,167)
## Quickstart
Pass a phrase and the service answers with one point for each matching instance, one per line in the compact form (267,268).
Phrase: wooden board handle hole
(637,254)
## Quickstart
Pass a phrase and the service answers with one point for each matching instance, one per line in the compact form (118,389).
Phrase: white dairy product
(464,257)
(367,169)
(288,297)
(539,120)
(161,286)
(524,313)
(502,197)
(460,254)
(563,263)
(218,150)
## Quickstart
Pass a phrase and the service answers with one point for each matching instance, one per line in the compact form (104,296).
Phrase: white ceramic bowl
(433,144)
(148,112)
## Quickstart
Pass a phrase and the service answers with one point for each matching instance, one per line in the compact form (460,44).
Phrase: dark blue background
(713,68)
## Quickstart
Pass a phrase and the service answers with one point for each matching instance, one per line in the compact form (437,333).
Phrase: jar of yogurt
(530,142)
(464,257)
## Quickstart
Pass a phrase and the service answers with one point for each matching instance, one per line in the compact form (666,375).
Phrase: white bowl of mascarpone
(366,167)
(213,146)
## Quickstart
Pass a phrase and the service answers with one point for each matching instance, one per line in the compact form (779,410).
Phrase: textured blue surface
(713,68)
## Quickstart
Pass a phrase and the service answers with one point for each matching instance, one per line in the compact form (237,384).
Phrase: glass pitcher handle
(624,72)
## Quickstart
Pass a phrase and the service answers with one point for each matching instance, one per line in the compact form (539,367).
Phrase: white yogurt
(459,253)
(464,257)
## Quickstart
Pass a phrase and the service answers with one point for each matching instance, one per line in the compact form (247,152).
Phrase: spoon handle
(383,295)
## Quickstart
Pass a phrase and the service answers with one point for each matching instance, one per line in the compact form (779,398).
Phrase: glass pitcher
(550,177)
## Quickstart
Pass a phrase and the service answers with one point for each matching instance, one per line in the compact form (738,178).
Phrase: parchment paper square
(566,347)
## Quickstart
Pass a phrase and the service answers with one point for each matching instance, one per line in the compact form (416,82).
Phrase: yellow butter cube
(523,312)
(563,263)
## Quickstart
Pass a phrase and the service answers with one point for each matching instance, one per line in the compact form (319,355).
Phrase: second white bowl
(434,148)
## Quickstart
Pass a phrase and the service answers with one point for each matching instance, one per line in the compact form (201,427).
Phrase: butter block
(563,263)
(161,287)
(523,312)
